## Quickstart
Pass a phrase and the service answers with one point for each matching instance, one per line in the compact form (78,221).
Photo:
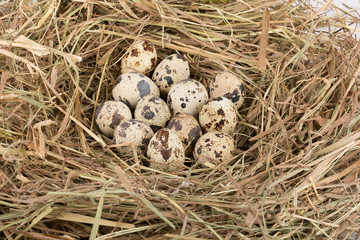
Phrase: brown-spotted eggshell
(187,128)
(135,131)
(214,147)
(172,69)
(165,151)
(228,85)
(141,57)
(187,96)
(109,114)
(131,87)
(218,114)
(154,111)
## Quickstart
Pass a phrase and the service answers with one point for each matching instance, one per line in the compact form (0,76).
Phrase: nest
(296,170)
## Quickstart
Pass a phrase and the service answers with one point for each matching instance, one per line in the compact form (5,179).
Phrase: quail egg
(109,114)
(131,87)
(187,96)
(141,57)
(218,114)
(153,111)
(135,131)
(172,69)
(228,85)
(165,151)
(187,128)
(214,147)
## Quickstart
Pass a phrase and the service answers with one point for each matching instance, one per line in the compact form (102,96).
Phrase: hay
(296,170)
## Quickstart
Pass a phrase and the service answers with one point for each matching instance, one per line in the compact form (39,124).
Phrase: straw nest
(296,170)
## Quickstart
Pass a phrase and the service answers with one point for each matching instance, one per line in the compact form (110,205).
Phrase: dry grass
(296,172)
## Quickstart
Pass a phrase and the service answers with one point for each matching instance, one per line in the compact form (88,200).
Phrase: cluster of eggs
(171,111)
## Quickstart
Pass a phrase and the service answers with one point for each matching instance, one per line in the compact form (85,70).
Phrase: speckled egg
(187,96)
(135,131)
(218,114)
(187,128)
(228,85)
(131,87)
(214,147)
(172,69)
(154,111)
(109,114)
(165,151)
(141,57)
